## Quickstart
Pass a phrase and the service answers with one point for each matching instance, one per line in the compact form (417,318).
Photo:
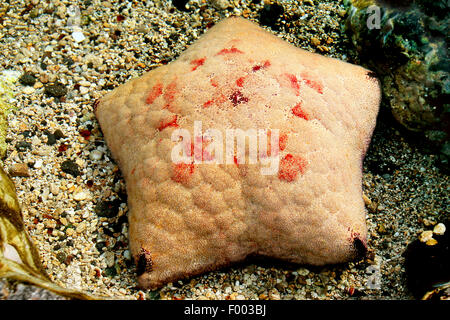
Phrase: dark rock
(108,209)
(23,146)
(68,61)
(180,4)
(61,256)
(111,271)
(51,139)
(70,167)
(428,266)
(409,54)
(58,134)
(56,90)
(27,79)
(100,246)
(269,14)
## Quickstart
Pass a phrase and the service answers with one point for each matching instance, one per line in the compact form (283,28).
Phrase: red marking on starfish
(214,82)
(235,160)
(182,172)
(297,111)
(259,67)
(240,82)
(290,167)
(208,103)
(170,92)
(293,82)
(197,63)
(233,49)
(283,141)
(172,122)
(156,91)
(312,83)
(237,97)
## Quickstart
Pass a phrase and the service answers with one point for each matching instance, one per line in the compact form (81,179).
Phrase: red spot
(237,97)
(290,166)
(63,147)
(182,172)
(351,291)
(240,82)
(283,141)
(133,171)
(170,92)
(86,134)
(120,18)
(259,67)
(213,82)
(172,122)
(227,51)
(294,83)
(197,63)
(157,90)
(208,103)
(297,111)
(312,83)
(235,159)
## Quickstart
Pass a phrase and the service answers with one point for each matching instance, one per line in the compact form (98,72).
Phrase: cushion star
(188,218)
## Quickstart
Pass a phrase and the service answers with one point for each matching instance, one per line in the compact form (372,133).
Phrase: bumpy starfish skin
(186,219)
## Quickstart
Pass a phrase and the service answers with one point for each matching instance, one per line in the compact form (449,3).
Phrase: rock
(70,167)
(82,195)
(27,79)
(408,52)
(58,134)
(107,209)
(439,229)
(95,155)
(269,14)
(56,90)
(109,258)
(54,189)
(19,170)
(38,164)
(180,4)
(425,236)
(220,4)
(427,265)
(23,146)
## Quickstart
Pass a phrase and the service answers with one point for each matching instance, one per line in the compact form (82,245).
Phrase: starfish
(190,217)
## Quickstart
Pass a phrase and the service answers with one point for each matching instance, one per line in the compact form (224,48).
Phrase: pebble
(56,90)
(109,258)
(83,90)
(220,4)
(28,90)
(269,14)
(70,167)
(425,236)
(81,227)
(95,155)
(82,195)
(19,170)
(54,189)
(439,229)
(27,79)
(22,146)
(38,164)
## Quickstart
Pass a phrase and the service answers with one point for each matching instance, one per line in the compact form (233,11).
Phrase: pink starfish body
(188,218)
